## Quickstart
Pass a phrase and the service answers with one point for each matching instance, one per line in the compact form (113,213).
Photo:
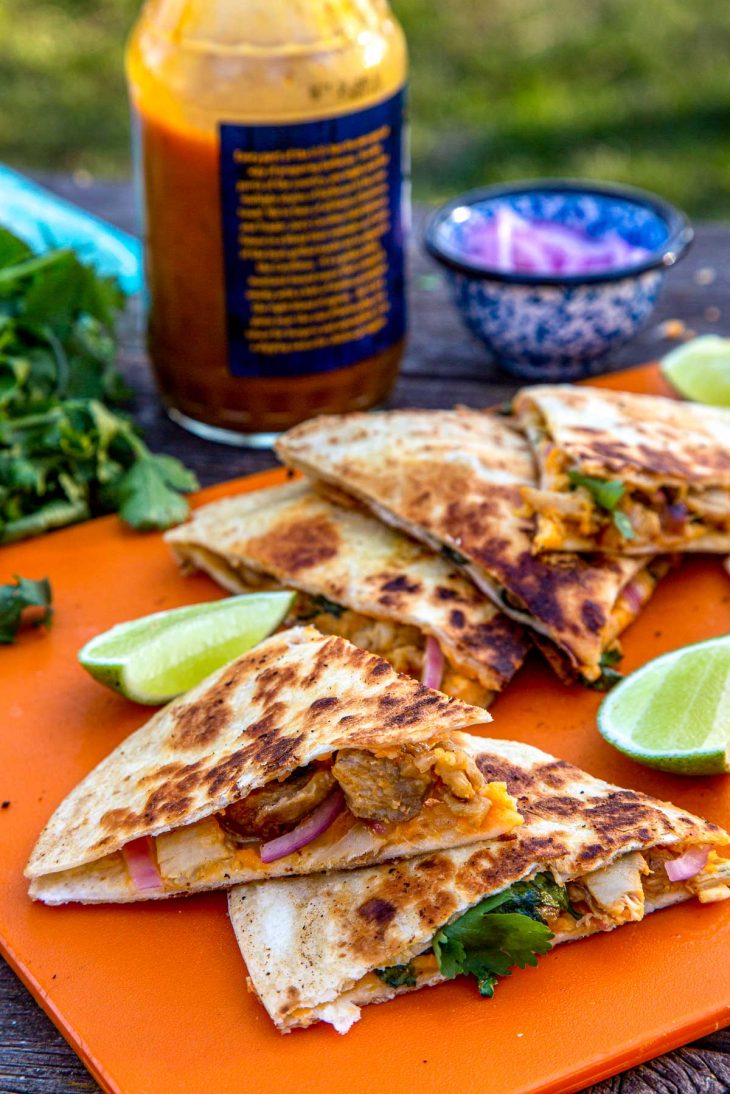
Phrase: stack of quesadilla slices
(457,480)
(563,518)
(590,857)
(305,754)
(373,845)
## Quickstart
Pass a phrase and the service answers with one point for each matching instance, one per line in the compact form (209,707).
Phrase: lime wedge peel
(157,657)
(674,712)
(700,370)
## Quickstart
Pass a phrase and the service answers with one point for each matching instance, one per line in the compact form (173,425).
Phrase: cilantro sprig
(487,941)
(610,676)
(66,452)
(25,601)
(606,493)
(398,976)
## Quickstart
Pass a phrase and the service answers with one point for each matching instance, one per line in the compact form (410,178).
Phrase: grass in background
(619,89)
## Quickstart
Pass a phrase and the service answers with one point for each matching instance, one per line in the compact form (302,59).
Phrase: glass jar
(270,163)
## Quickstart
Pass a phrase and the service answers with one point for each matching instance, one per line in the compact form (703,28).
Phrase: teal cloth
(44,221)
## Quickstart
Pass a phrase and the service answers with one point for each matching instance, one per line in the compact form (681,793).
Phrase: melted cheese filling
(201,855)
(403,646)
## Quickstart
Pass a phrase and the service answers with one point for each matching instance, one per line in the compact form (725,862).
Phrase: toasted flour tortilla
(672,459)
(289,535)
(311,945)
(455,479)
(279,713)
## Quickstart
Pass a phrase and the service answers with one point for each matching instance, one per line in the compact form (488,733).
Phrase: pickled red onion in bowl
(509,242)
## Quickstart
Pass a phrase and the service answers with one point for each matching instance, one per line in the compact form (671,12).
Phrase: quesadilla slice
(590,857)
(454,480)
(626,473)
(304,754)
(361,580)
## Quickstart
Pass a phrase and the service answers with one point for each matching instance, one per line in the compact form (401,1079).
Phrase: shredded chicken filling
(618,893)
(665,516)
(401,644)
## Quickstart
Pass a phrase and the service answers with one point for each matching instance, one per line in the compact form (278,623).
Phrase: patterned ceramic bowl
(552,327)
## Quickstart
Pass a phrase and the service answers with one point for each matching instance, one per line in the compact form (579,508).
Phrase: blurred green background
(630,90)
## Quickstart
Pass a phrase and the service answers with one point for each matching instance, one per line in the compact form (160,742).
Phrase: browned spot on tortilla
(167,771)
(269,743)
(323,705)
(225,774)
(165,805)
(115,819)
(377,911)
(593,616)
(401,888)
(617,456)
(591,852)
(267,725)
(189,776)
(496,769)
(457,618)
(296,545)
(501,644)
(271,681)
(435,863)
(446,594)
(557,774)
(119,822)
(401,584)
(417,709)
(619,813)
(292,1000)
(380,668)
(556,807)
(201,723)
(329,650)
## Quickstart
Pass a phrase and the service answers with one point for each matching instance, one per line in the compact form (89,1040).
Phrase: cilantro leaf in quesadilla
(626,473)
(454,479)
(357,578)
(590,857)
(304,754)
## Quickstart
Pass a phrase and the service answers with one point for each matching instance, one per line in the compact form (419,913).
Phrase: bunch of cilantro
(66,452)
(500,932)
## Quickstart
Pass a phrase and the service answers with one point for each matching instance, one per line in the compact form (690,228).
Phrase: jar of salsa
(270,162)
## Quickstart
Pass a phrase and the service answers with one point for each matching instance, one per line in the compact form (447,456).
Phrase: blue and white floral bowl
(551,327)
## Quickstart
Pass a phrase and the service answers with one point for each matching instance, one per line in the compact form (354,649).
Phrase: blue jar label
(313,241)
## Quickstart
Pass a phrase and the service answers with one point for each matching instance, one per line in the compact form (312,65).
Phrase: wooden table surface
(444,365)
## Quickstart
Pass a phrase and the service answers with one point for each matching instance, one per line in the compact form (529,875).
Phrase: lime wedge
(674,712)
(153,659)
(700,369)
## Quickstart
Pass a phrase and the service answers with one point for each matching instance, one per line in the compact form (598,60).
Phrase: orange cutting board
(153,997)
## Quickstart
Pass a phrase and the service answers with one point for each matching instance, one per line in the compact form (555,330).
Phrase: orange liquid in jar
(180,158)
